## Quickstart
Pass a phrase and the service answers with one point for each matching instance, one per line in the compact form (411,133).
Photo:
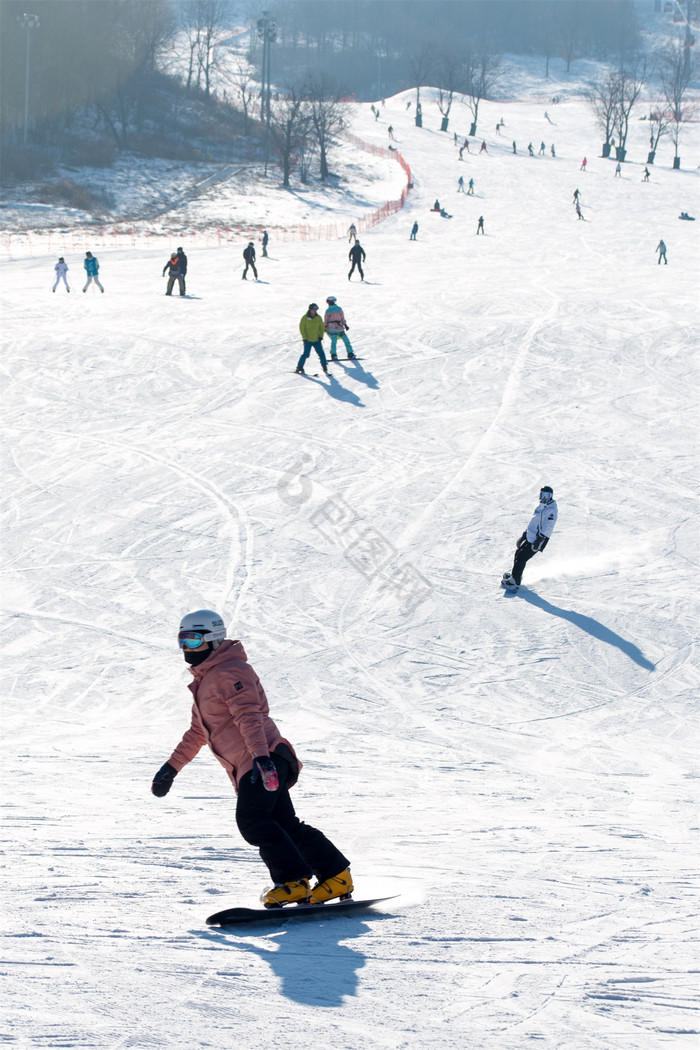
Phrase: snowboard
(243,916)
(509,588)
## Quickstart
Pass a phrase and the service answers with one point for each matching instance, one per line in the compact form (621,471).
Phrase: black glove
(347,327)
(540,542)
(522,541)
(163,780)
(265,768)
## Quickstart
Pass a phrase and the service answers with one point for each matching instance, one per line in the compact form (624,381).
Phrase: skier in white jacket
(534,539)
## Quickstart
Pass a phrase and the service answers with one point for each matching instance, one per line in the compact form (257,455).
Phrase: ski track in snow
(522,771)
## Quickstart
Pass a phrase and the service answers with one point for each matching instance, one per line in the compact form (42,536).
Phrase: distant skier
(357,256)
(352,233)
(336,326)
(230,713)
(579,213)
(92,268)
(551,148)
(647,173)
(172,267)
(530,149)
(61,269)
(249,256)
(480,226)
(584,164)
(265,242)
(460,184)
(618,170)
(534,539)
(577,194)
(183,266)
(312,332)
(515,148)
(470,191)
(414,231)
(661,249)
(483,147)
(543,149)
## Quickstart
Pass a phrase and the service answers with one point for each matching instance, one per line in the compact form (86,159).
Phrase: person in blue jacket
(92,268)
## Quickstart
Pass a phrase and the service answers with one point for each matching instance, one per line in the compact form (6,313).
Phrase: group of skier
(313,328)
(91,267)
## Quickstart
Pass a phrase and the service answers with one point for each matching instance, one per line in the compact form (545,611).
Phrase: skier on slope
(312,332)
(174,272)
(61,269)
(249,256)
(230,713)
(92,269)
(357,256)
(534,539)
(336,326)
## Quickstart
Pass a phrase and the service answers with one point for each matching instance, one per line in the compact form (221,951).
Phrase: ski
(244,916)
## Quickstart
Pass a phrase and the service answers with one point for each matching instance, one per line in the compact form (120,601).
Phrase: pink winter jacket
(229,713)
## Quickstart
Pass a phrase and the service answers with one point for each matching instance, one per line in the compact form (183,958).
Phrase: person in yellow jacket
(312,332)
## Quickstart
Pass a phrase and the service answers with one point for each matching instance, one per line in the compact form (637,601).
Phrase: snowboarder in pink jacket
(230,714)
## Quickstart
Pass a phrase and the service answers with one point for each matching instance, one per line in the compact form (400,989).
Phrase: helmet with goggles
(203,625)
(546,494)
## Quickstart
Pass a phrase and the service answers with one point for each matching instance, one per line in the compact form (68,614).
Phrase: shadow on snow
(590,626)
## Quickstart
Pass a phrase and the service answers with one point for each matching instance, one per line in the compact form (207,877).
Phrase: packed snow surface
(521,771)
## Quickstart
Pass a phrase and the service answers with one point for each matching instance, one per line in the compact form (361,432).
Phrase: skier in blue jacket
(92,268)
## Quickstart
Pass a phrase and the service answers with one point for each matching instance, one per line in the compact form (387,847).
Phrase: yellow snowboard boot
(338,886)
(286,893)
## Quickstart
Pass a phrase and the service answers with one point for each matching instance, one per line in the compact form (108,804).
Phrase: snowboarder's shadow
(359,373)
(337,391)
(330,971)
(590,626)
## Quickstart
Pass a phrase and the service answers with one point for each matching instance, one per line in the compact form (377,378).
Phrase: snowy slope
(523,771)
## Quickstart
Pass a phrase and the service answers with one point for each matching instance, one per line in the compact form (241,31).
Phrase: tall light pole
(27,22)
(267,31)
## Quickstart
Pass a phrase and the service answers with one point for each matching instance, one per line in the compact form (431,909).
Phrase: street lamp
(27,22)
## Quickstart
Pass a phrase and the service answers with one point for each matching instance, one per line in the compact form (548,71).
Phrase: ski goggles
(190,639)
(545,497)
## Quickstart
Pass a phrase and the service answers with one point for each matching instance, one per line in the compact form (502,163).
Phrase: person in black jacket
(357,257)
(172,267)
(249,256)
(183,265)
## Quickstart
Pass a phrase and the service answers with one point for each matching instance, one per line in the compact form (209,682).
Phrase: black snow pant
(291,849)
(252,267)
(358,264)
(522,557)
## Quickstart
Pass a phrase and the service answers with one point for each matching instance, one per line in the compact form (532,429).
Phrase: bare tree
(630,82)
(327,113)
(204,21)
(452,80)
(242,79)
(676,75)
(601,98)
(289,127)
(421,64)
(481,74)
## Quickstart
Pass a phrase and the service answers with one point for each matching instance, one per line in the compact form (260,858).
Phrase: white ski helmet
(331,299)
(208,622)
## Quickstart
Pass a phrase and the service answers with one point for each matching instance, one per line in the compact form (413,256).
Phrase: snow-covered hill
(523,771)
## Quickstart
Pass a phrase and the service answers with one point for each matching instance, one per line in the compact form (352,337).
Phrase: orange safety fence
(121,235)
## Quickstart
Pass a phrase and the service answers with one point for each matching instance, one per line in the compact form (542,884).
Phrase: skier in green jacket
(312,332)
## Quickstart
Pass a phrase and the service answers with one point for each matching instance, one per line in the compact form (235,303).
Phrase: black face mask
(196,658)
